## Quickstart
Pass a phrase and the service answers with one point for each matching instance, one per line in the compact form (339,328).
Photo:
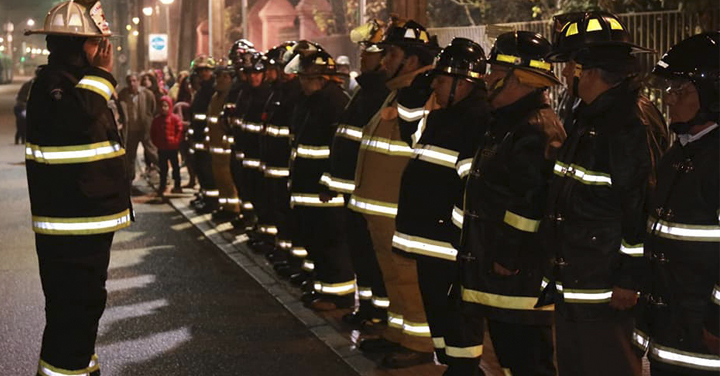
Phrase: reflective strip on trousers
(436,155)
(313,199)
(220,151)
(81,225)
(339,185)
(239,156)
(419,131)
(386,146)
(418,329)
(276,172)
(276,131)
(424,246)
(229,200)
(268,229)
(199,146)
(521,223)
(212,120)
(97,85)
(247,205)
(463,167)
(634,250)
(502,301)
(641,340)
(457,217)
(73,154)
(716,295)
(212,193)
(199,117)
(410,114)
(680,231)
(252,127)
(438,342)
(349,132)
(251,163)
(46,369)
(592,296)
(313,152)
(582,174)
(365,293)
(299,252)
(395,320)
(308,265)
(380,302)
(366,206)
(343,288)
(284,244)
(686,359)
(469,352)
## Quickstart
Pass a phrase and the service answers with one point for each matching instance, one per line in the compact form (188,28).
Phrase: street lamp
(30,22)
(148,11)
(136,20)
(167,2)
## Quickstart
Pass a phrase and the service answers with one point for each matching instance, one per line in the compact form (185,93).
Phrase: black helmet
(695,59)
(408,34)
(291,58)
(523,50)
(462,58)
(257,62)
(274,55)
(224,66)
(318,63)
(240,52)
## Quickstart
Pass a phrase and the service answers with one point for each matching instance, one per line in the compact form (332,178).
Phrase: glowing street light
(30,22)
(136,20)
(136,33)
(148,11)
(167,2)
(128,27)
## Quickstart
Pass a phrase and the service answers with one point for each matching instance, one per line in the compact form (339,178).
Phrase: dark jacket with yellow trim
(314,125)
(596,207)
(60,113)
(679,303)
(363,105)
(249,108)
(429,188)
(505,199)
(278,113)
(198,107)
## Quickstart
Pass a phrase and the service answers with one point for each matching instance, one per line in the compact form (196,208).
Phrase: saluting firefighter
(382,159)
(340,176)
(501,259)
(320,226)
(79,191)
(431,185)
(595,223)
(681,308)
(207,198)
(218,145)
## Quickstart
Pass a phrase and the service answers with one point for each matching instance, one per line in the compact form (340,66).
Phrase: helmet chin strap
(451,98)
(498,86)
(701,117)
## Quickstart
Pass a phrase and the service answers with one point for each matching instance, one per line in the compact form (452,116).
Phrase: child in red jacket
(166,133)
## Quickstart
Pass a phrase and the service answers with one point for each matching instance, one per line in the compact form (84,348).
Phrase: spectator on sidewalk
(19,110)
(139,106)
(167,132)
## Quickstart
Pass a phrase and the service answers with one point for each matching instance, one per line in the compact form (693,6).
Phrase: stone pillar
(275,15)
(410,9)
(203,44)
(218,28)
(307,11)
(255,24)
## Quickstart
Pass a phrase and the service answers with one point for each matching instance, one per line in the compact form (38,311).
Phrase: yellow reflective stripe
(463,167)
(417,329)
(276,131)
(339,185)
(681,358)
(515,60)
(247,205)
(199,146)
(380,302)
(46,369)
(268,229)
(614,24)
(521,223)
(438,342)
(313,152)
(81,225)
(410,114)
(593,25)
(349,132)
(251,163)
(386,146)
(469,352)
(199,117)
(211,120)
(457,217)
(679,231)
(308,265)
(437,155)
(276,172)
(299,252)
(252,127)
(395,320)
(342,288)
(716,295)
(582,174)
(220,151)
(365,293)
(502,301)
(424,246)
(633,250)
(584,295)
(373,207)
(284,244)
(73,154)
(572,29)
(313,199)
(229,200)
(97,85)
(419,131)
(640,339)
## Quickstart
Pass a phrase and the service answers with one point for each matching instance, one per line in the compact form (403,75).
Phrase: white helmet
(75,18)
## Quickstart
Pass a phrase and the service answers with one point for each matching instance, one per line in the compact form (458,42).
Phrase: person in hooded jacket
(166,133)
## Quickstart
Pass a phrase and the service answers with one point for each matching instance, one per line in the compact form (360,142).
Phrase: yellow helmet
(75,18)
(368,35)
(202,61)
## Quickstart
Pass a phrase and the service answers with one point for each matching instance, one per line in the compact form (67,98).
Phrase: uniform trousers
(406,309)
(365,263)
(524,350)
(165,157)
(263,209)
(223,179)
(596,348)
(250,179)
(73,271)
(278,199)
(203,170)
(132,140)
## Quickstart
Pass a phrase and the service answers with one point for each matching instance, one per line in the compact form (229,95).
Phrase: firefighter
(79,191)
(340,178)
(382,158)
(502,263)
(595,223)
(219,145)
(206,200)
(679,327)
(319,227)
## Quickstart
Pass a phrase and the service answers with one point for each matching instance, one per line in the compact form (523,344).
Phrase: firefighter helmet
(275,54)
(408,34)
(368,35)
(239,52)
(462,58)
(318,63)
(202,62)
(292,57)
(523,50)
(224,66)
(256,63)
(75,19)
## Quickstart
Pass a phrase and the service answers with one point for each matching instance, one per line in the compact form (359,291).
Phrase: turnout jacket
(74,154)
(683,245)
(276,140)
(340,177)
(383,153)
(249,109)
(198,132)
(595,223)
(431,183)
(313,126)
(505,198)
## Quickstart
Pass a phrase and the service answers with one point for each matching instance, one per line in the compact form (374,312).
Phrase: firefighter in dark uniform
(207,199)
(505,196)
(679,326)
(320,228)
(340,177)
(79,193)
(595,222)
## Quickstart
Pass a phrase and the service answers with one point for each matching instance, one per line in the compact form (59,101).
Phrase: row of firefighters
(446,192)
(431,184)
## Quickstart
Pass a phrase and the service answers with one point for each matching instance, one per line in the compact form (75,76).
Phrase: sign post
(158,48)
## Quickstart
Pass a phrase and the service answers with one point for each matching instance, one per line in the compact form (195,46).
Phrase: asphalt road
(176,305)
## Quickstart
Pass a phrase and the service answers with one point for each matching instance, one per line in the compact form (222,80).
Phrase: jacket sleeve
(629,171)
(95,89)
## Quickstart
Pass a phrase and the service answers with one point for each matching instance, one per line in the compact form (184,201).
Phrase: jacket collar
(406,79)
(522,106)
(619,96)
(373,80)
